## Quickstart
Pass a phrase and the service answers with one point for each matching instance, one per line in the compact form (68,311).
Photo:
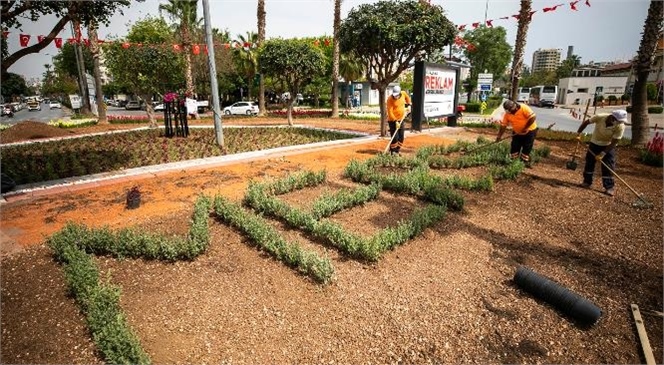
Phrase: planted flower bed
(32,163)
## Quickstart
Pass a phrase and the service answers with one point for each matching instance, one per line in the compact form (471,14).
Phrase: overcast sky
(607,30)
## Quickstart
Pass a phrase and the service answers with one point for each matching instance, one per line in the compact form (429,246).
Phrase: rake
(572,164)
(641,202)
(387,148)
(487,145)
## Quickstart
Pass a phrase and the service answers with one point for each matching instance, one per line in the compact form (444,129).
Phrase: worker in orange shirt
(396,111)
(522,120)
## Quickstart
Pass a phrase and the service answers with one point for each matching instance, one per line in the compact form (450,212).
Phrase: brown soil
(446,296)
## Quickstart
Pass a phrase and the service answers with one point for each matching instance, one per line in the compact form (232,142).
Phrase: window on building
(584,90)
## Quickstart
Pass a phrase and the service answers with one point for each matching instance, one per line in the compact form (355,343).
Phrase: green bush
(655,109)
(472,107)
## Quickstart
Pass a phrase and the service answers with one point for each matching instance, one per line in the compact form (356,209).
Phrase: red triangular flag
(462,27)
(489,23)
(246,45)
(588,2)
(475,25)
(177,48)
(327,42)
(24,39)
(40,38)
(227,45)
(205,50)
(71,40)
(573,4)
(516,16)
(126,45)
(5,34)
(196,49)
(86,42)
(531,14)
(58,42)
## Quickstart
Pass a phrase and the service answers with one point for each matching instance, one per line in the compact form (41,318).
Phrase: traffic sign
(485,79)
(485,87)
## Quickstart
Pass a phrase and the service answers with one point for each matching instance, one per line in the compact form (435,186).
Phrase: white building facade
(577,90)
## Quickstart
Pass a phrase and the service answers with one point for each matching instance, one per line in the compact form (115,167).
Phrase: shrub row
(301,113)
(267,238)
(100,303)
(653,109)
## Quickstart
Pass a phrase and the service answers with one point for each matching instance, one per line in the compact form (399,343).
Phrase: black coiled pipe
(568,302)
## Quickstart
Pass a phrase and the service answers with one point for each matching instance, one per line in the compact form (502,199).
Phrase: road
(561,118)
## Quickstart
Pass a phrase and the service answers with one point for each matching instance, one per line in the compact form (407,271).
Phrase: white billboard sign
(75,101)
(439,91)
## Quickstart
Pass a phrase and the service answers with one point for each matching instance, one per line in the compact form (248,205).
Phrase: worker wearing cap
(609,129)
(396,112)
(524,127)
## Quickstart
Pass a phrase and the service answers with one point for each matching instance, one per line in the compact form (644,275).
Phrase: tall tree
(95,50)
(292,62)
(185,14)
(520,46)
(389,35)
(13,85)
(246,59)
(65,60)
(149,69)
(567,66)
(13,13)
(652,32)
(335,59)
(260,14)
(490,52)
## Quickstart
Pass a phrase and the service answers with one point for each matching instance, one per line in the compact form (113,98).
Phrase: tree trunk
(519,47)
(335,59)
(643,63)
(189,79)
(83,79)
(262,111)
(289,114)
(383,109)
(94,49)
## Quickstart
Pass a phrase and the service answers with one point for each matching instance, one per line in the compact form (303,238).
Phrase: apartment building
(546,59)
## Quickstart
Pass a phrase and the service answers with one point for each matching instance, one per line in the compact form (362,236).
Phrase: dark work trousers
(523,144)
(589,169)
(397,142)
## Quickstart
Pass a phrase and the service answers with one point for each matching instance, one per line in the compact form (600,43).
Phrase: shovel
(571,165)
(387,148)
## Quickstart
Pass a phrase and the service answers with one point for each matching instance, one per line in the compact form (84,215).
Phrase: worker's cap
(620,115)
(396,91)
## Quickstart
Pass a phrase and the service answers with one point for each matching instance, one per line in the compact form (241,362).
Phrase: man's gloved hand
(599,156)
(578,137)
(398,124)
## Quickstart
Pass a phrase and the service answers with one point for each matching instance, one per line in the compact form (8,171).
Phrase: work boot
(585,185)
(610,191)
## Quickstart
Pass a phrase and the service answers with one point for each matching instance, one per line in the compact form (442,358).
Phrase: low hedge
(653,109)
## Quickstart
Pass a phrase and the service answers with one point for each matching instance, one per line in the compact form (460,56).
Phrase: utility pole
(219,134)
(486,11)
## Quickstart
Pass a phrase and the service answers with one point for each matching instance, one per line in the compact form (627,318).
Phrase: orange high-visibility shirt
(519,119)
(396,107)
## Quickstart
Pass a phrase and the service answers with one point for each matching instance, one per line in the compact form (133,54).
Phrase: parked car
(159,108)
(133,105)
(34,105)
(54,104)
(242,108)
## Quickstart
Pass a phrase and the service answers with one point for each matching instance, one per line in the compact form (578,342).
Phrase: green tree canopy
(389,35)
(65,60)
(13,13)
(149,69)
(14,85)
(567,66)
(491,52)
(291,62)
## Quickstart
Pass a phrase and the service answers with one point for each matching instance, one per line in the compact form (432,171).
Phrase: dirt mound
(30,130)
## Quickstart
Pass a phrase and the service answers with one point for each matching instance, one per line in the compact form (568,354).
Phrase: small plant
(133,198)
(653,154)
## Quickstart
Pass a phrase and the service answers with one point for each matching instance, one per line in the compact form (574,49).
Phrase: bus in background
(523,95)
(543,96)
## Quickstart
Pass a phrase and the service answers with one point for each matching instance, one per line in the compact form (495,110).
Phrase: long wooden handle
(585,114)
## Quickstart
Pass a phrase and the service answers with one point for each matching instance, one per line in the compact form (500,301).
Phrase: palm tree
(520,46)
(184,14)
(246,58)
(261,38)
(652,32)
(351,68)
(335,59)
(94,49)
